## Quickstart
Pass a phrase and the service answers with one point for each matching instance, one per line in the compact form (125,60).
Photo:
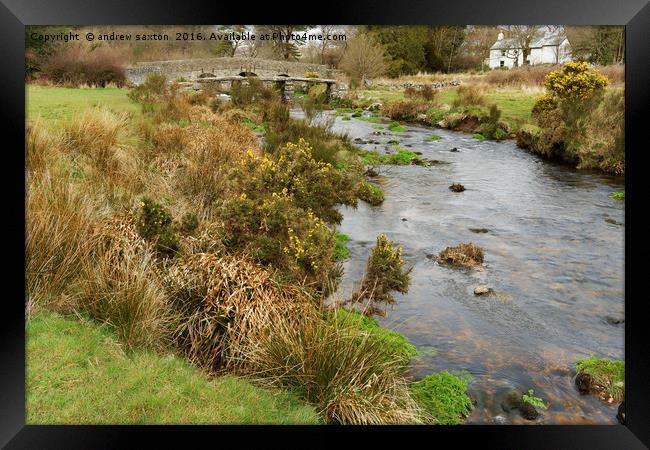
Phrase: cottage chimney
(499,36)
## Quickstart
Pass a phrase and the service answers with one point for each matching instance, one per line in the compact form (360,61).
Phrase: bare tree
(363,58)
(523,36)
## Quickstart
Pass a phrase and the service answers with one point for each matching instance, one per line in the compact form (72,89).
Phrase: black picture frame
(15,14)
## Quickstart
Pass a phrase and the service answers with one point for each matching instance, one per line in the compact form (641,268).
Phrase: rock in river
(583,383)
(482,290)
(528,411)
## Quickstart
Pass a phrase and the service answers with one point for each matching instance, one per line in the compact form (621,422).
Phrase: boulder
(583,383)
(528,411)
(620,416)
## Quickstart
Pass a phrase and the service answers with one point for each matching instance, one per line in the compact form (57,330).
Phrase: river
(554,254)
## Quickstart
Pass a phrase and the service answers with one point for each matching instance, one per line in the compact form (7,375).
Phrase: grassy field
(78,373)
(58,103)
(515,104)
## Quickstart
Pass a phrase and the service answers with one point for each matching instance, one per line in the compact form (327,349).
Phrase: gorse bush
(385,272)
(279,212)
(370,193)
(576,81)
(155,225)
(580,122)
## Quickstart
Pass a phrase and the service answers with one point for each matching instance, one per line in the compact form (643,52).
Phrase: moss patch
(341,250)
(443,396)
(395,342)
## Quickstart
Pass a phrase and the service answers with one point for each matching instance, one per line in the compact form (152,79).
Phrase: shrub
(444,397)
(618,195)
(349,376)
(370,193)
(405,110)
(311,75)
(148,92)
(581,123)
(464,255)
(155,225)
(576,81)
(469,95)
(607,376)
(76,66)
(385,272)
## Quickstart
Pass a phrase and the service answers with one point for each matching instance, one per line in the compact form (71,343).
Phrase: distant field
(58,103)
(78,373)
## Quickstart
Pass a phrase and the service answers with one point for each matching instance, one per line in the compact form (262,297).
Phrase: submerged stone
(511,401)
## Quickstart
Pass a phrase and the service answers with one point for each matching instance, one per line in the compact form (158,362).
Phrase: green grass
(618,195)
(402,157)
(478,136)
(444,396)
(433,137)
(78,373)
(393,341)
(609,374)
(341,250)
(397,127)
(59,103)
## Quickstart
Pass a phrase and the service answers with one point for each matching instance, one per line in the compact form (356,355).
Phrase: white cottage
(550,49)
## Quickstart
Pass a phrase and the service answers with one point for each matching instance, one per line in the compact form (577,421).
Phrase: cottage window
(502,63)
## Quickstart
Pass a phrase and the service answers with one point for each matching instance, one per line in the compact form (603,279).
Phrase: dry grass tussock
(199,155)
(57,227)
(464,255)
(121,283)
(95,140)
(347,375)
(226,305)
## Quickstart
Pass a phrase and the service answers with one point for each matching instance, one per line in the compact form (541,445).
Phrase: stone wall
(190,69)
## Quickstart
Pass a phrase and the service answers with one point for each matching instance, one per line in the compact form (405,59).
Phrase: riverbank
(149,202)
(585,132)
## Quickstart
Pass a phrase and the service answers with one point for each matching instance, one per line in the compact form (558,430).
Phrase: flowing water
(554,255)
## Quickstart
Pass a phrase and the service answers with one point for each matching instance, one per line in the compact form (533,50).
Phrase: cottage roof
(510,43)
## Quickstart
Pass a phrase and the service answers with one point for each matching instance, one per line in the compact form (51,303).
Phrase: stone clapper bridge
(223,72)
(283,82)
